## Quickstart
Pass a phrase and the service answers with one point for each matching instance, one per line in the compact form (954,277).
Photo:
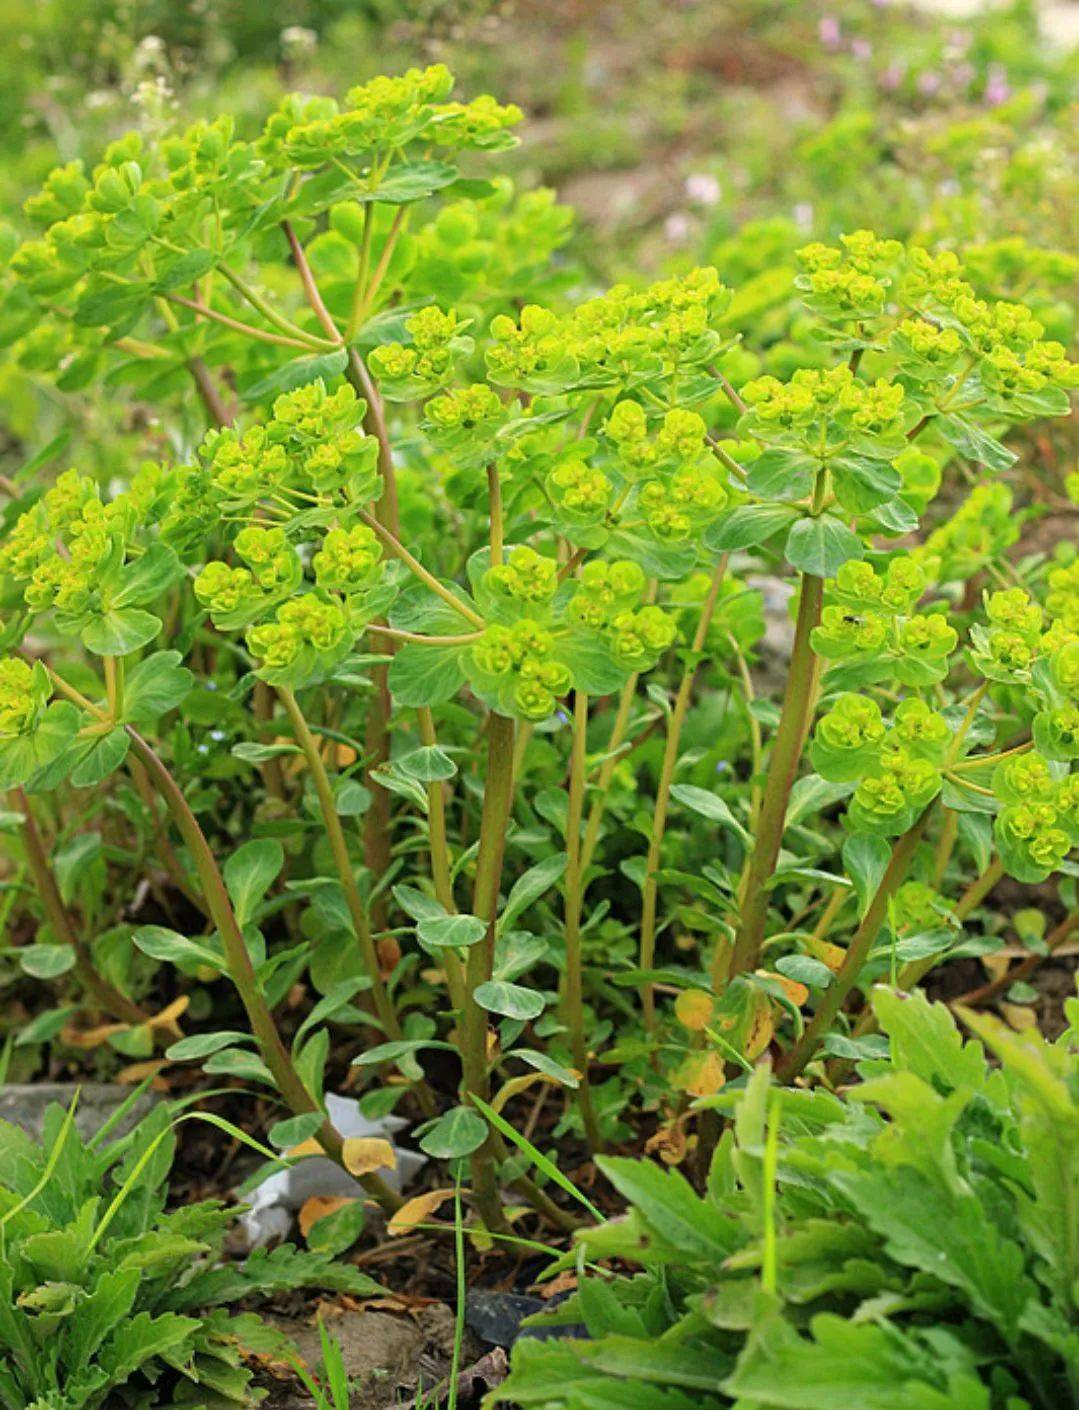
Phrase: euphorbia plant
(484,531)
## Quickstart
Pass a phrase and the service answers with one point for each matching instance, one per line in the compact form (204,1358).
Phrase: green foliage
(107,1292)
(452,612)
(912,1243)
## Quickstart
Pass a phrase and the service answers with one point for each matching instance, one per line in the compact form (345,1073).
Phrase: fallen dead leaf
(362,1155)
(417,1211)
(1021,1017)
(318,1207)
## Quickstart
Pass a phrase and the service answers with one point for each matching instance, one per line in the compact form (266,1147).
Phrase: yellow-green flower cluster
(1062,598)
(1038,824)
(677,509)
(1007,648)
(871,621)
(890,800)
(519,664)
(527,577)
(383,114)
(639,638)
(894,592)
(852,741)
(679,440)
(313,444)
(406,371)
(581,493)
(235,596)
(852,281)
(533,347)
(475,409)
(605,589)
(59,551)
(308,635)
(832,404)
(349,560)
(24,693)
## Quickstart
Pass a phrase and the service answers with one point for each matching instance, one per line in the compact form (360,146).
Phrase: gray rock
(25,1103)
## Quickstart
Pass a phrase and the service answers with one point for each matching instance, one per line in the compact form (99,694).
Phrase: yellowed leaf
(1020,1016)
(137,1071)
(308,1147)
(516,1085)
(694,1008)
(996,965)
(168,1016)
(417,1211)
(761,1029)
(668,1142)
(797,993)
(831,955)
(364,1154)
(93,1037)
(318,1207)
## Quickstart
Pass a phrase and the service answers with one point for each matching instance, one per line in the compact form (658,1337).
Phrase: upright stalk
(331,821)
(794,722)
(497,802)
(573,992)
(441,869)
(242,972)
(835,995)
(663,793)
(606,770)
(104,995)
(377,824)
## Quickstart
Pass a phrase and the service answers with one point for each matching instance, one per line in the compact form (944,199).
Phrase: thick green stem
(573,993)
(663,793)
(104,995)
(835,995)
(242,972)
(794,724)
(497,802)
(331,821)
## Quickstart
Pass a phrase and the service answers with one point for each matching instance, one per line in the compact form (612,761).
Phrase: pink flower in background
(892,77)
(929,83)
(861,49)
(997,88)
(803,215)
(676,228)
(703,188)
(830,31)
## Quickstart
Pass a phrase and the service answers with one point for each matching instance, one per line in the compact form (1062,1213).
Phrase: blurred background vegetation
(681,131)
